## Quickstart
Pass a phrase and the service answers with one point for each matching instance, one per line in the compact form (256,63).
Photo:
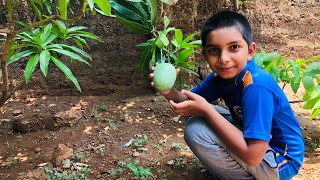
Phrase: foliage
(42,41)
(47,44)
(138,171)
(75,171)
(295,72)
(169,44)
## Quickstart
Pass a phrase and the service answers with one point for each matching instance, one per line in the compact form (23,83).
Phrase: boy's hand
(152,84)
(195,106)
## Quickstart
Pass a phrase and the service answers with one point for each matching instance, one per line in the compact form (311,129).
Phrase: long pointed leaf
(135,27)
(104,6)
(127,10)
(184,55)
(30,67)
(67,72)
(70,54)
(153,11)
(80,51)
(20,55)
(46,32)
(44,61)
(91,4)
(63,8)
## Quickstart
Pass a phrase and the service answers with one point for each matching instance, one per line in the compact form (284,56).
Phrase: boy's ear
(252,49)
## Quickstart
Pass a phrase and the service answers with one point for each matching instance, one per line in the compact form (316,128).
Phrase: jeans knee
(197,132)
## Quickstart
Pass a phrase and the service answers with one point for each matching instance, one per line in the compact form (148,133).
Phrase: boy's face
(227,52)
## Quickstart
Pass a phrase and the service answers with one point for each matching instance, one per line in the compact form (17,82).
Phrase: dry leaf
(87,130)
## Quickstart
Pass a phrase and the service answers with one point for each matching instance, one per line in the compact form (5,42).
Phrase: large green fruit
(164,76)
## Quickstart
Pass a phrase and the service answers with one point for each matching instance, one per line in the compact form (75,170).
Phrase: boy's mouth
(225,69)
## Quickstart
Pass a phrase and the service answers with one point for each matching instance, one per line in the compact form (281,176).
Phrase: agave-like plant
(47,44)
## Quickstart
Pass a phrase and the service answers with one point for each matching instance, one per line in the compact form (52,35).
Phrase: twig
(297,101)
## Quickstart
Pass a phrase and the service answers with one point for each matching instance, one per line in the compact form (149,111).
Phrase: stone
(61,152)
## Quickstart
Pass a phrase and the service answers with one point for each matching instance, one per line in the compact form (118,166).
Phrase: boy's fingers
(150,75)
(178,71)
(151,84)
(189,94)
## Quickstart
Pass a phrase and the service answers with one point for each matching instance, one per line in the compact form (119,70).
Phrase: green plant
(295,72)
(42,41)
(75,171)
(139,171)
(43,46)
(139,140)
(169,44)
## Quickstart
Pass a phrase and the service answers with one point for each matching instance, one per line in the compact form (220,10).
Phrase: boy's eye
(213,50)
(233,47)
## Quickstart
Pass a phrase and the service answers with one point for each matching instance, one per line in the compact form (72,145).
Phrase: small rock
(136,154)
(61,152)
(67,164)
(17,112)
(171,162)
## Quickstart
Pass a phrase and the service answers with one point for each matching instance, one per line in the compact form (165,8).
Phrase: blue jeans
(209,148)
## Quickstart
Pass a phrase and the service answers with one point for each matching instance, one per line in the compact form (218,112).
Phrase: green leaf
(146,56)
(189,71)
(307,82)
(61,25)
(44,61)
(76,28)
(166,22)
(184,55)
(153,11)
(104,6)
(80,51)
(71,54)
(178,35)
(315,112)
(135,27)
(188,38)
(164,39)
(127,10)
(316,92)
(310,104)
(67,72)
(63,8)
(49,40)
(296,79)
(46,32)
(312,66)
(312,58)
(91,4)
(30,67)
(20,55)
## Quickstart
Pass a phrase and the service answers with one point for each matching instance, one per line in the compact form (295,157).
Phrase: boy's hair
(226,19)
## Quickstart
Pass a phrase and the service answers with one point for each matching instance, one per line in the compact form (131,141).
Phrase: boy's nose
(224,58)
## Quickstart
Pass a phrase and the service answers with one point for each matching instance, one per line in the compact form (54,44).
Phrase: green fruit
(164,76)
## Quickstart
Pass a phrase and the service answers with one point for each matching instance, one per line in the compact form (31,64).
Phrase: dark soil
(99,129)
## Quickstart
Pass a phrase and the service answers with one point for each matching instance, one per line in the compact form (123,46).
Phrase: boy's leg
(208,147)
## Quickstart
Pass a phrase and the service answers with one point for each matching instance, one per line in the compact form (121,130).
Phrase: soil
(99,128)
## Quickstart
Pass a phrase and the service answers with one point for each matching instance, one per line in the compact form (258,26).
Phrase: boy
(263,139)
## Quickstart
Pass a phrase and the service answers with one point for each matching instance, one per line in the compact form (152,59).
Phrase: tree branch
(6,31)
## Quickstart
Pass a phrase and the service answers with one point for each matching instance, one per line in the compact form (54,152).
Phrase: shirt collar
(239,77)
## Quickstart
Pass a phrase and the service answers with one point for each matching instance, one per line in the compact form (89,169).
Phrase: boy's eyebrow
(217,45)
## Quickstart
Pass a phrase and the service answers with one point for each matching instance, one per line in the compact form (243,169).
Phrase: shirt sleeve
(258,105)
(209,87)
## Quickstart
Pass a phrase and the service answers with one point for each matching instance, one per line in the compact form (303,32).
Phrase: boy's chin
(227,77)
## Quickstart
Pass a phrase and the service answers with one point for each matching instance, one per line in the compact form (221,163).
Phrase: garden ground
(127,134)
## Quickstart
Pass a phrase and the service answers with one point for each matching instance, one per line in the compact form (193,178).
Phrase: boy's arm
(175,95)
(251,151)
